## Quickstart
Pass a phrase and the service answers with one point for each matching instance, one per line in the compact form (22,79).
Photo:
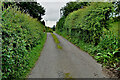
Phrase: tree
(60,23)
(72,6)
(33,8)
(53,27)
(43,22)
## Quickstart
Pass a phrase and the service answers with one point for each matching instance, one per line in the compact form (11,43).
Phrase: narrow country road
(68,61)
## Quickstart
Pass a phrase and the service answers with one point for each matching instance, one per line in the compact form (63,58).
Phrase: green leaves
(91,19)
(72,6)
(20,33)
(89,28)
(108,59)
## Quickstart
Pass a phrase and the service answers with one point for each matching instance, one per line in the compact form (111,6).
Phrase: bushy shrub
(89,21)
(20,33)
(89,28)
(59,26)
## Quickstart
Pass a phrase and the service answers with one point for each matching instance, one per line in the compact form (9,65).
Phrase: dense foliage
(117,7)
(33,8)
(60,23)
(72,6)
(48,29)
(88,28)
(20,34)
(91,21)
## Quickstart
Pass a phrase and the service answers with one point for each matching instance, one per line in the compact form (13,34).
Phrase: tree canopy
(72,6)
(33,8)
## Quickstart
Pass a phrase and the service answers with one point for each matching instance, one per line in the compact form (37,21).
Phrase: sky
(52,8)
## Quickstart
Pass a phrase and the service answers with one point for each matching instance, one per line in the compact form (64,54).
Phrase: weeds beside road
(56,41)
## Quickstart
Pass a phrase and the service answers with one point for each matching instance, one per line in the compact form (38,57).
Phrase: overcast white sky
(52,8)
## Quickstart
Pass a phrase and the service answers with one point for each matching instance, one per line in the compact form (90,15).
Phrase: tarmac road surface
(67,62)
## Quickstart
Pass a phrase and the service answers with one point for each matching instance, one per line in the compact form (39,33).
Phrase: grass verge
(55,38)
(34,55)
(56,41)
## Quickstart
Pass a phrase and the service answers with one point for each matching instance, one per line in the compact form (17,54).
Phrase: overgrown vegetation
(56,41)
(68,76)
(34,54)
(48,29)
(72,6)
(22,40)
(55,38)
(59,47)
(91,28)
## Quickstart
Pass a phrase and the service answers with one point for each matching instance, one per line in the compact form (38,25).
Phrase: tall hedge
(60,23)
(88,28)
(90,21)
(20,33)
